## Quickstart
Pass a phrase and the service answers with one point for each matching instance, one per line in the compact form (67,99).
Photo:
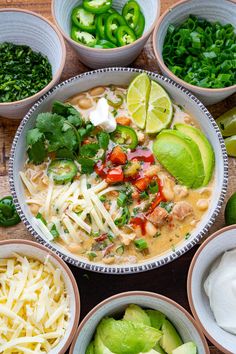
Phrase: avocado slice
(135,313)
(156,318)
(170,339)
(90,349)
(206,150)
(187,348)
(181,156)
(99,346)
(159,349)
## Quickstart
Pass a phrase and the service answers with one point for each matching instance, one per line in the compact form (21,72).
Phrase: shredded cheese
(34,307)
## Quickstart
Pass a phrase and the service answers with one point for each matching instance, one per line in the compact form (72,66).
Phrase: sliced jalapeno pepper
(140,26)
(117,102)
(97,6)
(83,19)
(112,24)
(83,37)
(62,171)
(125,35)
(104,44)
(8,213)
(100,25)
(131,12)
(125,136)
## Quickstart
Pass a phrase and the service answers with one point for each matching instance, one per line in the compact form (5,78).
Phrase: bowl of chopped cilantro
(32,57)
(195,45)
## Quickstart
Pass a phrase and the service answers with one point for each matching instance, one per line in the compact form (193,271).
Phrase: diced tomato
(117,156)
(115,175)
(123,120)
(101,238)
(142,155)
(142,183)
(100,169)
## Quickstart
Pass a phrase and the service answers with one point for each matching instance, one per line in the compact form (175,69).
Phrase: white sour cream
(101,116)
(220,287)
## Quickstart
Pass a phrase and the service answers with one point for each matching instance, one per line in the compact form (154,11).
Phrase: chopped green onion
(141,244)
(120,250)
(124,219)
(54,231)
(144,195)
(91,255)
(154,188)
(122,198)
(40,217)
(102,198)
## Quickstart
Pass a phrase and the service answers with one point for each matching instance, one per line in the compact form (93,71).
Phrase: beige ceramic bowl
(223,11)
(25,27)
(213,248)
(35,250)
(115,305)
(102,58)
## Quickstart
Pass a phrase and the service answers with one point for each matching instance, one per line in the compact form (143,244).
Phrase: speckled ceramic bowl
(101,58)
(116,305)
(25,27)
(223,11)
(34,250)
(214,247)
(122,77)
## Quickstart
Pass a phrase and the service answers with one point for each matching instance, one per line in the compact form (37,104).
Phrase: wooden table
(169,280)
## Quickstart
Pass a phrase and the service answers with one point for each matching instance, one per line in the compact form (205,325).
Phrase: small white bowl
(101,58)
(35,250)
(184,323)
(26,27)
(223,11)
(214,247)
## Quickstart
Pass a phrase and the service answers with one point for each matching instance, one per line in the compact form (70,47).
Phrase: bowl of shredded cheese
(39,300)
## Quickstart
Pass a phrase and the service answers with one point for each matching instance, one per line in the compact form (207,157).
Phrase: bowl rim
(151,263)
(57,75)
(65,267)
(114,50)
(144,294)
(216,234)
(163,66)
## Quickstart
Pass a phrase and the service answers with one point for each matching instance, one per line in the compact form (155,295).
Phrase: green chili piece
(97,6)
(113,22)
(62,171)
(125,35)
(131,12)
(141,244)
(127,135)
(83,37)
(83,19)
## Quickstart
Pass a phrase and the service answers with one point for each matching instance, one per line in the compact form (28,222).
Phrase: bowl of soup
(115,170)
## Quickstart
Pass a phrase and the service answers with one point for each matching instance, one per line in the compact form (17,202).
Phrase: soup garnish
(104,189)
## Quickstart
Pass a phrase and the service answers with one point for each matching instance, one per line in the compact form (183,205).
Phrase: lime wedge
(230,144)
(137,99)
(227,122)
(230,211)
(160,109)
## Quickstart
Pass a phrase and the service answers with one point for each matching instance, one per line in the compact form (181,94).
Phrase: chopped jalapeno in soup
(106,189)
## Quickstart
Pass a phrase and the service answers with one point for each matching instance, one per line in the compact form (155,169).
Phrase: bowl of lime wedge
(121,170)
(139,322)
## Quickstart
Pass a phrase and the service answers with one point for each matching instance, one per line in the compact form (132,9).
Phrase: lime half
(230,211)
(227,122)
(230,144)
(137,99)
(160,109)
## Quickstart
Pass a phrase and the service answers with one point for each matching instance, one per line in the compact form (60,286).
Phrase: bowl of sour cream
(212,288)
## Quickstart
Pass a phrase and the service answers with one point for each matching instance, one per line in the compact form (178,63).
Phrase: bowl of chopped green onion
(106,33)
(32,57)
(195,45)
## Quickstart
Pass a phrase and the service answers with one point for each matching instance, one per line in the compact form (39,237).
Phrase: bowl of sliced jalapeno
(106,32)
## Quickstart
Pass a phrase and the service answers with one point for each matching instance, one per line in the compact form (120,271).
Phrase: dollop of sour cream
(102,117)
(220,287)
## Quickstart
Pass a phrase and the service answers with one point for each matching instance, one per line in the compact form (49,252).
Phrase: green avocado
(181,157)
(170,339)
(206,150)
(156,318)
(90,349)
(135,313)
(159,349)
(99,346)
(187,348)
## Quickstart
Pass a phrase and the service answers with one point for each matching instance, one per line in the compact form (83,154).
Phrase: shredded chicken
(126,239)
(158,217)
(181,210)
(181,191)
